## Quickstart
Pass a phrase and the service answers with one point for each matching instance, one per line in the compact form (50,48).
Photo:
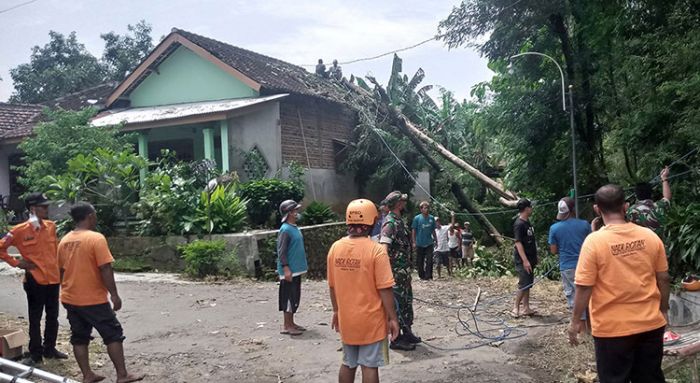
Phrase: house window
(340,152)
(254,164)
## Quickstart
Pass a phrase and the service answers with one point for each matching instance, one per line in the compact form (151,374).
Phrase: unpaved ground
(196,332)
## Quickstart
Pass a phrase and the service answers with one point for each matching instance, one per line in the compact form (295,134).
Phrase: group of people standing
(77,270)
(614,274)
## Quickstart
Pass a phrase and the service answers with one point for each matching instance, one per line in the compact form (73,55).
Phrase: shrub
(230,266)
(317,213)
(202,258)
(264,197)
(682,237)
(219,211)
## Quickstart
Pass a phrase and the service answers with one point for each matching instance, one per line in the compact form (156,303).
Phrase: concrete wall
(260,128)
(330,187)
(186,77)
(162,252)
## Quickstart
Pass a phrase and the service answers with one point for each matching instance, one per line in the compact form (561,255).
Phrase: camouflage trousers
(403,297)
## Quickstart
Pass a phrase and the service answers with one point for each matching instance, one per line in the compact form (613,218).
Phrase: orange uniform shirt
(620,262)
(80,255)
(36,246)
(357,269)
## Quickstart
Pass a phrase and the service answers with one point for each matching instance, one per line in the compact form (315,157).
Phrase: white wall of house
(5,152)
(260,128)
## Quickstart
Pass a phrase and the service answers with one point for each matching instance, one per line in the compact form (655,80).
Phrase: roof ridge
(178,30)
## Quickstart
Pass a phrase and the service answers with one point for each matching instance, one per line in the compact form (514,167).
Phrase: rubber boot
(409,336)
(401,344)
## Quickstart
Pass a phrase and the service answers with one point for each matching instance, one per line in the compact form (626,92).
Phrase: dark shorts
(442,257)
(525,279)
(290,295)
(455,252)
(635,358)
(101,317)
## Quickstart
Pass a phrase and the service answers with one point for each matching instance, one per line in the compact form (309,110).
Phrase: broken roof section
(157,115)
(264,74)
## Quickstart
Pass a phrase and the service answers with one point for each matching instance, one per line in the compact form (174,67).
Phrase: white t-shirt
(442,233)
(453,239)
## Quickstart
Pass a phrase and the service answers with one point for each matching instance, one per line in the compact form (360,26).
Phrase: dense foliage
(63,136)
(265,195)
(65,66)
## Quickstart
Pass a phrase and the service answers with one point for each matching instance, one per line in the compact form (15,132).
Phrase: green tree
(60,67)
(124,52)
(63,136)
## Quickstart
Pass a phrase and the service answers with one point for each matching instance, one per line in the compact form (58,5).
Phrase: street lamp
(571,116)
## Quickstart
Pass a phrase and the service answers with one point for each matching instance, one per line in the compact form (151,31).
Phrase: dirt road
(196,332)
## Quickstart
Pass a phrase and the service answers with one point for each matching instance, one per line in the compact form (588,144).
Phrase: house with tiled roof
(248,112)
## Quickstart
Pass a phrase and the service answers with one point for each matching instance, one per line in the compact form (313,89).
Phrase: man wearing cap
(397,242)
(565,239)
(36,241)
(291,264)
(524,256)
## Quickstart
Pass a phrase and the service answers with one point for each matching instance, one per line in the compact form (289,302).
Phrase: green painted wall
(186,77)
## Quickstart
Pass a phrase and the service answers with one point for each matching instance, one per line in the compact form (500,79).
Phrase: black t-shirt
(525,234)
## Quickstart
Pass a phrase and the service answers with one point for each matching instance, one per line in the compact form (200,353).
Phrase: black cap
(523,203)
(36,199)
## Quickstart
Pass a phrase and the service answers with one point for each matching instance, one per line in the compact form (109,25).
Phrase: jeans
(424,259)
(567,282)
(41,298)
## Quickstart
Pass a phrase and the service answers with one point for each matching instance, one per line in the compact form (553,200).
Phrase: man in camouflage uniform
(394,236)
(645,212)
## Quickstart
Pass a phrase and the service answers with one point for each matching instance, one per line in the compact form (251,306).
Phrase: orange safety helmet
(361,212)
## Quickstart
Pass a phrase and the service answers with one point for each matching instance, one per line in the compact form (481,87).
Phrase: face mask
(298,216)
(34,221)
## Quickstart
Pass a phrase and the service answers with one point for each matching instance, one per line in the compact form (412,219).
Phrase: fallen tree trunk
(496,186)
(467,204)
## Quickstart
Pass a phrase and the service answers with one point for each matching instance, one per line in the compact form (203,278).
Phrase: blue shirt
(424,227)
(568,235)
(290,251)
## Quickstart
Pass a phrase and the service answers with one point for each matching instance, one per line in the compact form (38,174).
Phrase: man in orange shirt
(36,241)
(622,276)
(361,281)
(87,281)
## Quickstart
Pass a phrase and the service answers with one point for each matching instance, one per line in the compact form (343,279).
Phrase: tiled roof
(274,76)
(17,120)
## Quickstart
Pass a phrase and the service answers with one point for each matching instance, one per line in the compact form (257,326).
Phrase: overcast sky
(299,32)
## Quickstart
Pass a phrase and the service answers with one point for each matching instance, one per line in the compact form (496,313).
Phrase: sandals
(671,338)
(292,332)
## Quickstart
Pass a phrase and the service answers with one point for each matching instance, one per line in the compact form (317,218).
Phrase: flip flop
(530,313)
(300,328)
(514,315)
(132,379)
(671,338)
(291,332)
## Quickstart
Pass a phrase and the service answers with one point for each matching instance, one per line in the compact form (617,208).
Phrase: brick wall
(323,122)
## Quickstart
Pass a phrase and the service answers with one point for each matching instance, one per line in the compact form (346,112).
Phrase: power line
(416,45)
(18,5)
